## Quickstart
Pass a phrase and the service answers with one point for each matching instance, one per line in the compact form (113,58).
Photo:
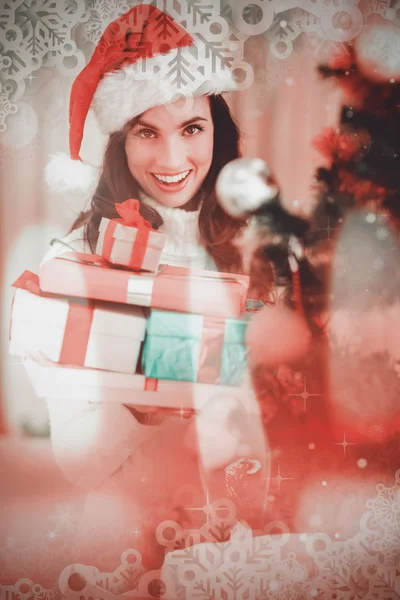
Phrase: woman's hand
(154,415)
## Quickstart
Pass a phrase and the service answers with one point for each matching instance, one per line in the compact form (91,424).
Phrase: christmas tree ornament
(127,75)
(246,188)
(244,185)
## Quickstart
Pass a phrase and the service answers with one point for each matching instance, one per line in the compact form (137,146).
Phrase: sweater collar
(181,228)
(178,224)
(169,214)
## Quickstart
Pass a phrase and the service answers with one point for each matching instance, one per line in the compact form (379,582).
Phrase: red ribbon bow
(130,215)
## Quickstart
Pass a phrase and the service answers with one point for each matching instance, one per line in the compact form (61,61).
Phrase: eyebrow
(184,124)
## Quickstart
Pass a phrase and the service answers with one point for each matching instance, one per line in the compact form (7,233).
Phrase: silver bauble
(243,186)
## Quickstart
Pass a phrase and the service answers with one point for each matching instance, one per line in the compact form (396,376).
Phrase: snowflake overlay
(35,34)
(6,106)
(248,565)
(41,33)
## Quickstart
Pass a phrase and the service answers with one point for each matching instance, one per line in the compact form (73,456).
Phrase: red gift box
(171,288)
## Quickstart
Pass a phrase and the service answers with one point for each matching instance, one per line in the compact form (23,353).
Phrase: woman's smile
(172,183)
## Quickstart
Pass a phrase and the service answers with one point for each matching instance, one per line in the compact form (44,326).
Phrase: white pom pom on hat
(64,174)
(128,73)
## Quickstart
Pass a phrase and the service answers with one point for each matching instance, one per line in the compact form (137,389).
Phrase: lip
(172,187)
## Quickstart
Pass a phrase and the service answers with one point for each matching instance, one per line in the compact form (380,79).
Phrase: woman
(167,153)
(192,140)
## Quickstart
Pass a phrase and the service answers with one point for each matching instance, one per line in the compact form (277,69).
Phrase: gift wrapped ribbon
(150,384)
(211,368)
(211,348)
(130,217)
(77,332)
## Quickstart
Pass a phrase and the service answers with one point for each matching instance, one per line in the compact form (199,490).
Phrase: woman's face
(170,150)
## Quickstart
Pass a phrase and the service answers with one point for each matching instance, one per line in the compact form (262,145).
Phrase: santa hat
(143,59)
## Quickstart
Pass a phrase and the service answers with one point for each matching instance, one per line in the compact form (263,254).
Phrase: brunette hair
(217,229)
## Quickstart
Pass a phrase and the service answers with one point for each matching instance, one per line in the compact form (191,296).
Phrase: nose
(173,155)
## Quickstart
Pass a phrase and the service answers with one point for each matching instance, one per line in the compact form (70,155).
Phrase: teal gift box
(192,347)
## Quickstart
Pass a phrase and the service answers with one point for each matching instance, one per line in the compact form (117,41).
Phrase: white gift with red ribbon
(130,241)
(74,331)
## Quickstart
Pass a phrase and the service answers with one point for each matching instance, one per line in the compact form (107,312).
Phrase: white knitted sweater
(85,456)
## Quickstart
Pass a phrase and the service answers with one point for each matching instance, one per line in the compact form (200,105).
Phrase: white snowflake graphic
(37,33)
(377,6)
(254,565)
(377,433)
(33,34)
(200,12)
(64,517)
(100,14)
(386,508)
(378,264)
(383,48)
(6,106)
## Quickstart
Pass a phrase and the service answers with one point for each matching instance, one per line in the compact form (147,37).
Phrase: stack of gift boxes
(117,325)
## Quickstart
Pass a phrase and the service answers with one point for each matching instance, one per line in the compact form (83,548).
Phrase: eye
(146,134)
(193,129)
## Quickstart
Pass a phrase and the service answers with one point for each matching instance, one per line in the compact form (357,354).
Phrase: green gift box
(192,347)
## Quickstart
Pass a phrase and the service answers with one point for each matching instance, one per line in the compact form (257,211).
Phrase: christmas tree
(360,183)
(357,188)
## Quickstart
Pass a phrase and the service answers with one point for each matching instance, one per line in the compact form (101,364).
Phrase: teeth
(174,179)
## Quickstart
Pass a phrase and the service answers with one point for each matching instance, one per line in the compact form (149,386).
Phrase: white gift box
(66,383)
(98,335)
(123,243)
